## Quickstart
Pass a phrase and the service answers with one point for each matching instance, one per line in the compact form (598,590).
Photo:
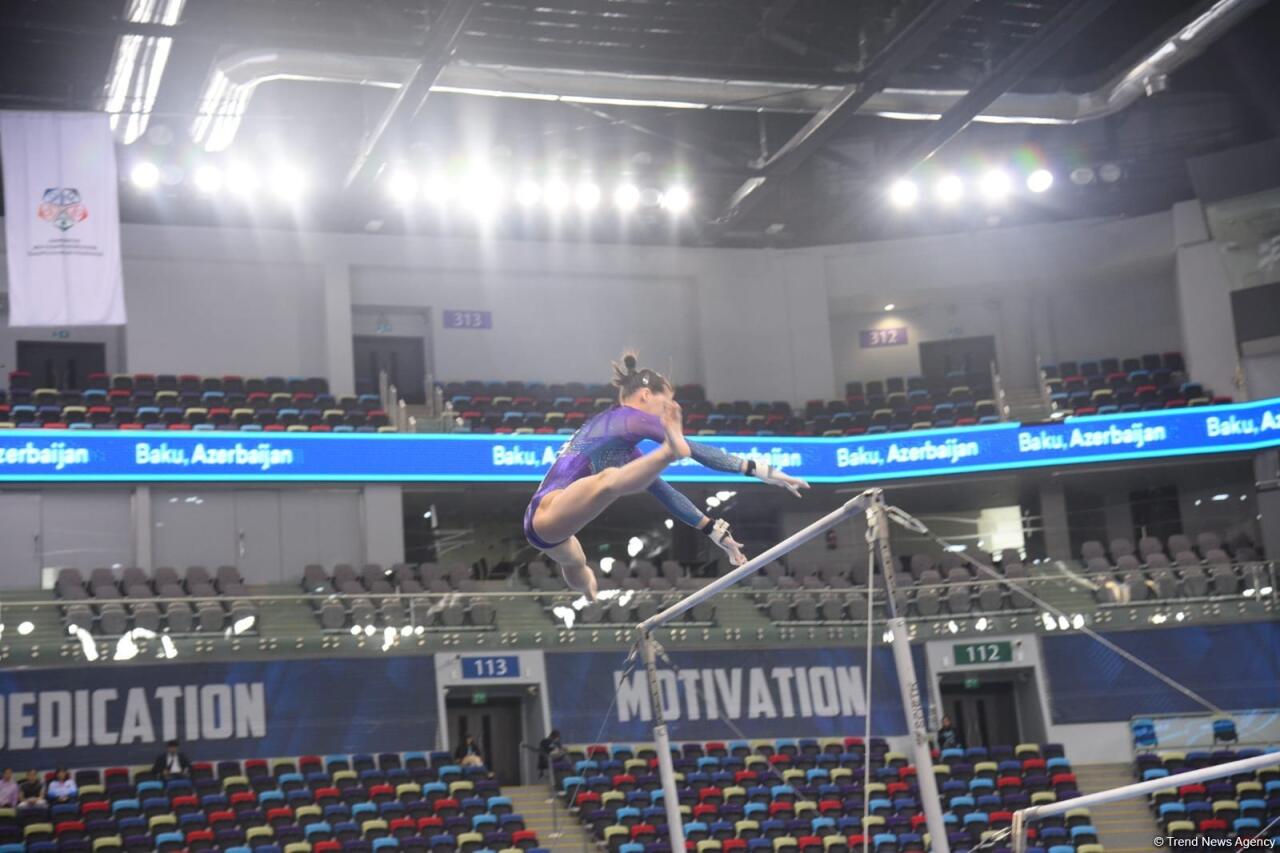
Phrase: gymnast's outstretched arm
(717,460)
(682,508)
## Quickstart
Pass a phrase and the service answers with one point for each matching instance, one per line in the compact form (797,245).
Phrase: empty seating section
(835,591)
(1109,385)
(807,794)
(1177,567)
(112,602)
(169,401)
(1231,807)
(393,801)
(893,404)
(629,594)
(367,598)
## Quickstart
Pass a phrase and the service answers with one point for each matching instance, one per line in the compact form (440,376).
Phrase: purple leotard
(609,440)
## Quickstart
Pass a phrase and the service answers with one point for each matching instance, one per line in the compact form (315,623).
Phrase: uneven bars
(1136,789)
(850,508)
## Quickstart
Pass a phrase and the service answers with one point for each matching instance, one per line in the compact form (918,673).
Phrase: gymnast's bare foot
(673,424)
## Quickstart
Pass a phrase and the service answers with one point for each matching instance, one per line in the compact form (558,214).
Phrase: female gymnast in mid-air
(600,464)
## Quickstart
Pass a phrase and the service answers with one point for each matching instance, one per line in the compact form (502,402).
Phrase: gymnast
(600,464)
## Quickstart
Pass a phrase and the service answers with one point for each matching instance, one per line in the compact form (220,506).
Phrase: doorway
(971,356)
(983,708)
(402,358)
(60,364)
(496,724)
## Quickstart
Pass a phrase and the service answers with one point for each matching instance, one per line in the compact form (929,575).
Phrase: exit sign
(997,652)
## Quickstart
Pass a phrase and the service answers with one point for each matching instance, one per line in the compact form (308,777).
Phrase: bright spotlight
(437,189)
(627,197)
(419,630)
(981,624)
(890,307)
(402,187)
(145,175)
(25,628)
(244,623)
(606,564)
(1110,172)
(528,194)
(1082,176)
(241,180)
(369,630)
(356,631)
(676,199)
(1049,622)
(953,627)
(1039,180)
(1077,621)
(634,546)
(586,196)
(995,185)
(388,637)
(713,502)
(482,194)
(950,189)
(287,182)
(903,193)
(208,179)
(406,630)
(556,195)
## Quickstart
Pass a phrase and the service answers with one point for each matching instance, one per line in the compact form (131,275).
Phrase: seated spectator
(549,750)
(63,788)
(31,791)
(172,763)
(468,753)
(8,790)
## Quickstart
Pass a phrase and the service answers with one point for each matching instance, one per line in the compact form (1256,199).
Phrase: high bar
(850,508)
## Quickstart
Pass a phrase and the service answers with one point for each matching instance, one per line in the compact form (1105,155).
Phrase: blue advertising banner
(123,714)
(720,695)
(1233,666)
(140,456)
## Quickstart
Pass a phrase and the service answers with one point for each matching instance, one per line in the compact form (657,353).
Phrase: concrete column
(1118,512)
(1204,302)
(1053,515)
(339,356)
(142,548)
(383,524)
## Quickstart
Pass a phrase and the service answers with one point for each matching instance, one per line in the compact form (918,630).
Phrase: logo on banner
(62,208)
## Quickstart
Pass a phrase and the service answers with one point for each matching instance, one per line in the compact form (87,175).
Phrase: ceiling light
(634,546)
(668,524)
(437,189)
(1082,176)
(1040,180)
(713,502)
(288,182)
(528,193)
(1222,496)
(208,179)
(402,186)
(586,196)
(903,193)
(890,307)
(995,185)
(241,180)
(555,195)
(145,175)
(676,199)
(1110,172)
(626,197)
(606,564)
(949,189)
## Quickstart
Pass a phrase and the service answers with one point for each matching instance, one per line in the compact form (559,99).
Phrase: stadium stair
(1026,405)
(536,805)
(1124,826)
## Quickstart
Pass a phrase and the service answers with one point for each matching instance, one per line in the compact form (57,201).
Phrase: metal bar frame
(1137,789)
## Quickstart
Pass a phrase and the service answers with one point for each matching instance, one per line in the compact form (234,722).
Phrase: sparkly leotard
(609,440)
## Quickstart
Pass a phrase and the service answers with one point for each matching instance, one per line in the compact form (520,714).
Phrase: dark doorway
(983,712)
(496,726)
(971,356)
(403,359)
(1156,512)
(62,365)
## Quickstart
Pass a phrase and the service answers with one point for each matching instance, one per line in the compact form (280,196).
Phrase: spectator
(31,791)
(549,749)
(63,788)
(948,737)
(172,763)
(8,790)
(468,753)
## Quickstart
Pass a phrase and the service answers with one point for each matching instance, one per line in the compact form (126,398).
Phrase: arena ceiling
(784,118)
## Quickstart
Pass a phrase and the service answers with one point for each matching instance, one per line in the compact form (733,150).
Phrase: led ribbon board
(35,456)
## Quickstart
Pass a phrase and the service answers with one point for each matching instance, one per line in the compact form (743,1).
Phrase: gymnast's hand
(774,476)
(718,532)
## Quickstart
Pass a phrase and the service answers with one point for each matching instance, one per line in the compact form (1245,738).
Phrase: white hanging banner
(62,219)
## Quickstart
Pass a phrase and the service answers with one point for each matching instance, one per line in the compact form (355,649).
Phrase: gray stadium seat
(1092,550)
(927,603)
(1206,542)
(362,612)
(210,616)
(102,584)
(831,608)
(959,600)
(79,615)
(332,615)
(228,581)
(1224,579)
(1178,543)
(1149,545)
(135,583)
(1121,547)
(990,597)
(482,613)
(920,563)
(778,607)
(315,580)
(703,612)
(146,615)
(1166,583)
(1195,582)
(112,619)
(179,617)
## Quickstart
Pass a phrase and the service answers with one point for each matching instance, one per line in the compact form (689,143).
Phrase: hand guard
(718,532)
(774,476)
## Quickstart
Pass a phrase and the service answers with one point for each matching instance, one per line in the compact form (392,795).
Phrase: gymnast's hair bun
(629,361)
